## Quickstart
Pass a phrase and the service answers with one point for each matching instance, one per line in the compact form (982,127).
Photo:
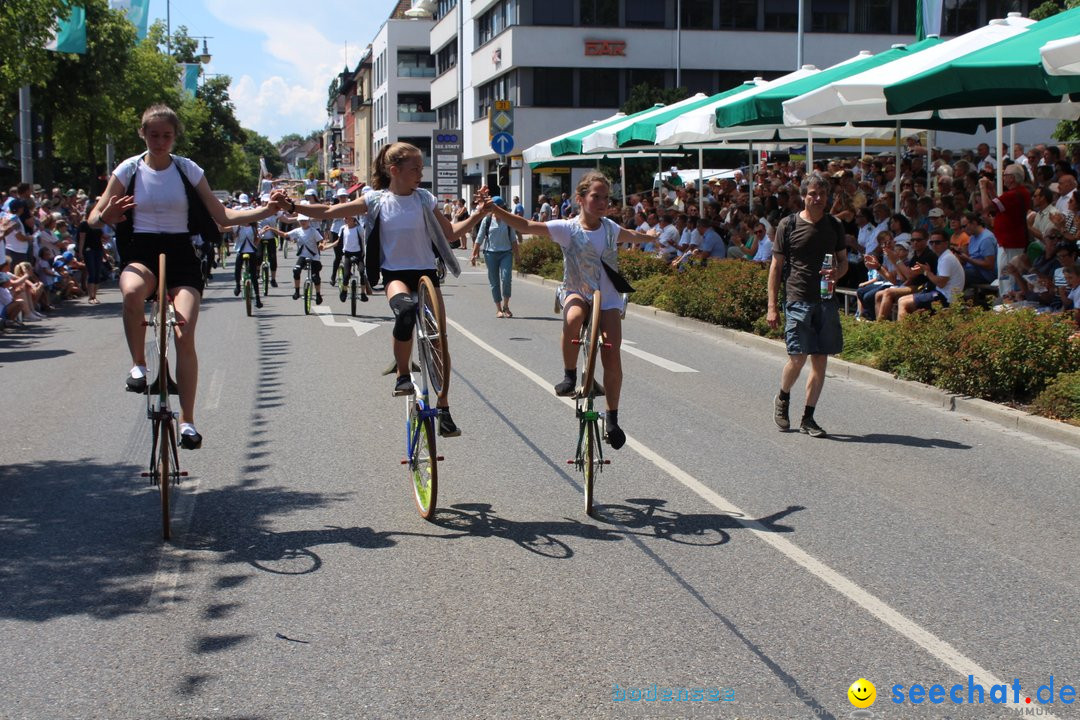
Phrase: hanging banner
(137,11)
(191,77)
(70,35)
(928,17)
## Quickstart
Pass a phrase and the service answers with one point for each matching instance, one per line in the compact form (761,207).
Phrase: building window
(415,107)
(637,76)
(697,14)
(446,58)
(738,14)
(423,143)
(447,116)
(645,13)
(598,88)
(415,63)
(781,15)
(961,16)
(873,16)
(553,12)
(553,87)
(1001,8)
(491,23)
(501,88)
(905,17)
(829,16)
(444,7)
(599,12)
(699,81)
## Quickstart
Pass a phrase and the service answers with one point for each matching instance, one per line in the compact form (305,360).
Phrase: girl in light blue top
(500,244)
(588,242)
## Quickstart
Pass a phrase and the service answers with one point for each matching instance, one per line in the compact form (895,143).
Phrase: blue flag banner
(928,17)
(137,11)
(191,77)
(70,34)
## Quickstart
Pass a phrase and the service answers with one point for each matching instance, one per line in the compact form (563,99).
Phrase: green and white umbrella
(569,143)
(1062,57)
(1007,73)
(643,131)
(604,139)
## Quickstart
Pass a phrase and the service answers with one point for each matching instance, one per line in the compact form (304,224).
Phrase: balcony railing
(423,117)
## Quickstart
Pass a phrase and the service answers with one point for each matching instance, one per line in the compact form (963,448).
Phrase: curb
(1036,425)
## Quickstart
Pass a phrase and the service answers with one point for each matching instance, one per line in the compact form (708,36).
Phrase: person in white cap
(266,237)
(336,228)
(246,242)
(309,246)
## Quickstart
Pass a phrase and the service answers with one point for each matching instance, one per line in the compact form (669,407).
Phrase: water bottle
(826,284)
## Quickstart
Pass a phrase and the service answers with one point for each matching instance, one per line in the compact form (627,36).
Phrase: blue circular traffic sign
(502,143)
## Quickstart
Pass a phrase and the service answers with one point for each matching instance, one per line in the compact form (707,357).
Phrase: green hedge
(1010,357)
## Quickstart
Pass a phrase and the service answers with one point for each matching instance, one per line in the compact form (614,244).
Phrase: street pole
(678,43)
(168,26)
(26,148)
(802,34)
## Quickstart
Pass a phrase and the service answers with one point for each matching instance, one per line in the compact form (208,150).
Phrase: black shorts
(411,278)
(182,260)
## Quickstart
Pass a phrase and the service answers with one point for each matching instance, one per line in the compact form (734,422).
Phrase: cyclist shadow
(540,537)
(648,516)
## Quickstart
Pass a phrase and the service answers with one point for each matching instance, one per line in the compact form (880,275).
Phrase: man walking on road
(812,322)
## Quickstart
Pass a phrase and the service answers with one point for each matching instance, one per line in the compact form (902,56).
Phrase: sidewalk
(1036,425)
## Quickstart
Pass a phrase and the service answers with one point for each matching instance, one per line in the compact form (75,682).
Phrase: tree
(25,26)
(257,146)
(644,96)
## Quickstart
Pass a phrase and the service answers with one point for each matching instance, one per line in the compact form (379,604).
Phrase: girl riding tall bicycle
(589,242)
(408,232)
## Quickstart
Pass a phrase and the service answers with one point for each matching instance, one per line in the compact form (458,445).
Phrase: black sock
(785,395)
(613,417)
(808,413)
(570,374)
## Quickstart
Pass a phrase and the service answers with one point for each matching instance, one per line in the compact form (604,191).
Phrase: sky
(281,55)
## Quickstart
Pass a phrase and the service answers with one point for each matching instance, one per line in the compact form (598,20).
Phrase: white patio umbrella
(1062,57)
(604,138)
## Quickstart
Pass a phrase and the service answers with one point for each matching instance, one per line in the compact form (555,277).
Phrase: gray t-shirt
(804,247)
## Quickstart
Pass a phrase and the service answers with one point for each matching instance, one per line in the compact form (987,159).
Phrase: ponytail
(391,154)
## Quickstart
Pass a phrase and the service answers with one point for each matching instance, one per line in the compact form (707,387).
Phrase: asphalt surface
(912,546)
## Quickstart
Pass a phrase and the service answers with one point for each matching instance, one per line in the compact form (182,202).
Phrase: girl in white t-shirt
(587,241)
(411,230)
(159,203)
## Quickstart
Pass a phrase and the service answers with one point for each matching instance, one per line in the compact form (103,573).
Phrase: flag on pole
(262,167)
(70,33)
(137,11)
(191,77)
(928,15)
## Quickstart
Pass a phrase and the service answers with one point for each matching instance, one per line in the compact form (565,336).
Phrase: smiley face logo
(862,693)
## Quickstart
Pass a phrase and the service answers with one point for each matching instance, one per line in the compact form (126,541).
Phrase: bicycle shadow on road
(647,517)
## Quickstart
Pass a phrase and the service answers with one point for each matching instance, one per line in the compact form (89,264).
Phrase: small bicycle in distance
(245,280)
(164,470)
(358,283)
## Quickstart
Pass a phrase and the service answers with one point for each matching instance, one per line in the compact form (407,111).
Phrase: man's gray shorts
(813,328)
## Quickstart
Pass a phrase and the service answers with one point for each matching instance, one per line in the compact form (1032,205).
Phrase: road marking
(656,359)
(217,384)
(923,638)
(327,316)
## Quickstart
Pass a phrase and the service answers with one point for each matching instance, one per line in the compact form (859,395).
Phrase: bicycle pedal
(440,458)
(183,473)
(607,345)
(144,474)
(405,461)
(607,462)
(575,341)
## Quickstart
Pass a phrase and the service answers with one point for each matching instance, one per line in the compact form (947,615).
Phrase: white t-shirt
(610,299)
(1074,296)
(353,239)
(161,204)
(245,239)
(948,264)
(269,222)
(337,225)
(307,242)
(403,236)
(764,250)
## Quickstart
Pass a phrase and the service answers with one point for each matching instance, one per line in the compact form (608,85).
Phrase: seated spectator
(881,264)
(744,244)
(667,243)
(712,244)
(19,290)
(942,284)
(1070,294)
(765,244)
(911,280)
(37,291)
(11,307)
(980,259)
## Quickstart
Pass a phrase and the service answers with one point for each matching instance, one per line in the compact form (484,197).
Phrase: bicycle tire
(431,331)
(590,341)
(307,297)
(285,249)
(353,293)
(247,295)
(163,473)
(423,468)
(264,270)
(588,455)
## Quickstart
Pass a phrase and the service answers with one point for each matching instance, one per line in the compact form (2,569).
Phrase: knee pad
(404,308)
(296,270)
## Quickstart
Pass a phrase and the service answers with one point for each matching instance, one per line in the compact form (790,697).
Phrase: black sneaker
(404,386)
(295,294)
(318,299)
(236,291)
(780,413)
(190,441)
(343,295)
(614,436)
(135,385)
(258,303)
(566,388)
(363,297)
(811,428)
(273,283)
(447,428)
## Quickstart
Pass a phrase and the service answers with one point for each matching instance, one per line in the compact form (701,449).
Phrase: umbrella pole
(750,169)
(809,151)
(896,175)
(701,182)
(930,162)
(622,177)
(997,153)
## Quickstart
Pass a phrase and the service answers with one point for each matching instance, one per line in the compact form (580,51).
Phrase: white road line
(920,636)
(656,359)
(217,384)
(327,316)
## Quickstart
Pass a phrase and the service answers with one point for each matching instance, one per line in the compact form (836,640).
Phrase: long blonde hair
(393,154)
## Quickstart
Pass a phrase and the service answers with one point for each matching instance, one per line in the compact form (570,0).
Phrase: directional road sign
(502,143)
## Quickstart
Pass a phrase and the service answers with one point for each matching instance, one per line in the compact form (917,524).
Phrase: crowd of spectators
(48,253)
(1015,250)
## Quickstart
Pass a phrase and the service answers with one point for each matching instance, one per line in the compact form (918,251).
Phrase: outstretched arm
(329,212)
(523,226)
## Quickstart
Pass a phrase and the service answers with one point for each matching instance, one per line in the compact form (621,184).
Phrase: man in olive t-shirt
(812,324)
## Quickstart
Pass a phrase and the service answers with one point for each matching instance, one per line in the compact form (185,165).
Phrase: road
(913,546)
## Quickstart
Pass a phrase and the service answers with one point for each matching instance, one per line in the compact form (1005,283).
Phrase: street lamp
(204,56)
